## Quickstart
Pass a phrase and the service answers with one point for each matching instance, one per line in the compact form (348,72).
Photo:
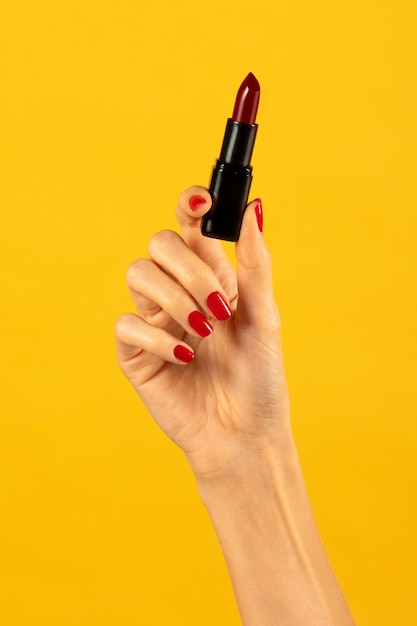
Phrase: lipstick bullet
(232,174)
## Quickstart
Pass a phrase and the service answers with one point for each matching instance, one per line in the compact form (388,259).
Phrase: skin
(229,411)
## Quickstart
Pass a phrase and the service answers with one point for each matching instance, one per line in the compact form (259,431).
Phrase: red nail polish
(195,202)
(259,214)
(183,354)
(200,324)
(218,306)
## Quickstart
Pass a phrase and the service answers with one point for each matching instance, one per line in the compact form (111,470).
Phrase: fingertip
(251,234)
(255,207)
(196,202)
(183,354)
(259,214)
(193,202)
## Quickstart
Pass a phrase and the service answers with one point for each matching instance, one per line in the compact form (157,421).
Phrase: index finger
(192,204)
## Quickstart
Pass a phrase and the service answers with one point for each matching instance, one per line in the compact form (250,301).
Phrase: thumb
(256,304)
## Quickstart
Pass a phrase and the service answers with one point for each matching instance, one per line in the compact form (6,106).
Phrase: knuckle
(182,198)
(122,325)
(136,270)
(161,240)
(275,320)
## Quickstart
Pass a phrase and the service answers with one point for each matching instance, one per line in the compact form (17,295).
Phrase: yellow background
(107,110)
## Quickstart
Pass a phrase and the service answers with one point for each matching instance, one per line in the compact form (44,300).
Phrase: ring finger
(159,300)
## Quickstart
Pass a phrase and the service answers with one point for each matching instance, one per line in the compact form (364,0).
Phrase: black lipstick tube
(230,182)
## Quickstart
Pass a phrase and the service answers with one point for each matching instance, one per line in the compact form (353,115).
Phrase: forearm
(262,515)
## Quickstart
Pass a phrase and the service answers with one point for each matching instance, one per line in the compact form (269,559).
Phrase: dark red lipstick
(247,101)
(232,174)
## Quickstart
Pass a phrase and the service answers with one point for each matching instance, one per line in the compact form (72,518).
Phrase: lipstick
(232,174)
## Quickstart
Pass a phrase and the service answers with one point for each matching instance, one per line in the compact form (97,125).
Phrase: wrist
(258,465)
(261,512)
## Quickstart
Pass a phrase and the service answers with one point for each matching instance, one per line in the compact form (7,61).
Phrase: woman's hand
(203,350)
(228,409)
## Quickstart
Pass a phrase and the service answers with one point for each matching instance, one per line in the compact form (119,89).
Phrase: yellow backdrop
(107,111)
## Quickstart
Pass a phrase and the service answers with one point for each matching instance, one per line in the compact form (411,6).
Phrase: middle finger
(172,254)
(160,300)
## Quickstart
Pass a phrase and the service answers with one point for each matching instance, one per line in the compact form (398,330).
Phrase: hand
(231,398)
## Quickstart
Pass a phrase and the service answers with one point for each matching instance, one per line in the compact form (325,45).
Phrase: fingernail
(259,214)
(183,354)
(195,202)
(218,306)
(200,324)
